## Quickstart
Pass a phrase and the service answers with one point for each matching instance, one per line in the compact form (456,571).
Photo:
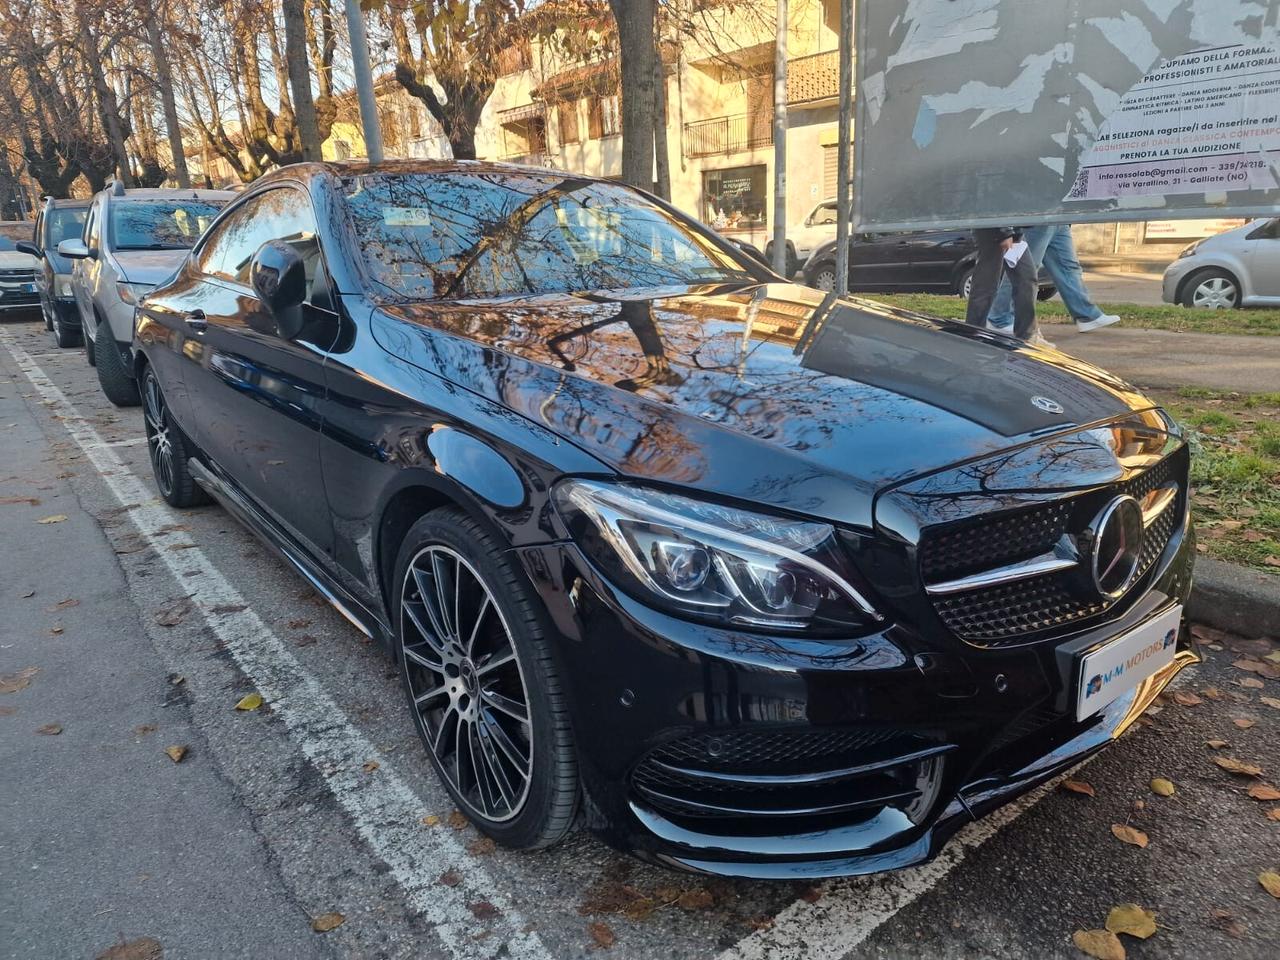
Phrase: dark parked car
(763,582)
(58,220)
(923,261)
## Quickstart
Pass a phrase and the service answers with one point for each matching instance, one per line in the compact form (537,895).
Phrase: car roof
(165,193)
(348,168)
(56,203)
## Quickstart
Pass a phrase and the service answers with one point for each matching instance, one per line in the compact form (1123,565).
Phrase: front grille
(17,276)
(1038,607)
(750,780)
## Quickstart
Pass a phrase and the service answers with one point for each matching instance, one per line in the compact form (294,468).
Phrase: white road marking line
(384,808)
(851,910)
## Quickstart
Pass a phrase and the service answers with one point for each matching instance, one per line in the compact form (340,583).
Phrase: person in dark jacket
(993,243)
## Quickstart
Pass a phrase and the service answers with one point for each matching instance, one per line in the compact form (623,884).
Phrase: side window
(38,233)
(282,213)
(825,214)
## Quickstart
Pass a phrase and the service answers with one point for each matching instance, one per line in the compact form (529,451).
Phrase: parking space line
(851,910)
(382,806)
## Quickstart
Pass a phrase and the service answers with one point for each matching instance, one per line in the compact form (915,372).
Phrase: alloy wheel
(1215,293)
(466,683)
(825,280)
(159,435)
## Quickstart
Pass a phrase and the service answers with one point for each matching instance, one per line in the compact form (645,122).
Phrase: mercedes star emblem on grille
(1046,404)
(1116,537)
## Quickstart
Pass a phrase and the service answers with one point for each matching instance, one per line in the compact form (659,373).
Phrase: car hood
(13,260)
(148,266)
(771,393)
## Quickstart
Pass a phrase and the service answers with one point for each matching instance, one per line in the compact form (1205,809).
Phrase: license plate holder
(1120,664)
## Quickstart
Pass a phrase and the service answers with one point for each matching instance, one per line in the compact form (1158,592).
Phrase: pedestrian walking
(993,243)
(1051,246)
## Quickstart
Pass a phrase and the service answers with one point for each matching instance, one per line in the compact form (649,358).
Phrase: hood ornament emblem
(1046,404)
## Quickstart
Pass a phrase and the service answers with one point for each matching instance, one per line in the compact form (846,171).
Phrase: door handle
(195,321)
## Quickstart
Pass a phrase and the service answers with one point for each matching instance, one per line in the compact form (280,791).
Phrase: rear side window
(282,213)
(63,224)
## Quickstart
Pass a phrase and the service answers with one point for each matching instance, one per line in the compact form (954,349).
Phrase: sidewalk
(1165,359)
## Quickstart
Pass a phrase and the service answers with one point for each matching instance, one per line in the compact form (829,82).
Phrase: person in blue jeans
(1051,247)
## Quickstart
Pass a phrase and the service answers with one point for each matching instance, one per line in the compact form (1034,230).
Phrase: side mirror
(29,248)
(74,249)
(279,278)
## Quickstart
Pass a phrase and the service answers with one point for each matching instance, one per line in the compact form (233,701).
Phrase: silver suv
(133,239)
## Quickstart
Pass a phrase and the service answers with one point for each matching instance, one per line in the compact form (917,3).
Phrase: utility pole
(780,143)
(364,82)
(842,148)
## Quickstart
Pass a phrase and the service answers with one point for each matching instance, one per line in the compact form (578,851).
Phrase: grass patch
(1264,323)
(1235,471)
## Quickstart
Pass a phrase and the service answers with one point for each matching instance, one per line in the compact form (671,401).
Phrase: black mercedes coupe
(750,579)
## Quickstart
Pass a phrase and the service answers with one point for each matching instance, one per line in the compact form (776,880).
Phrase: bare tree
(636,22)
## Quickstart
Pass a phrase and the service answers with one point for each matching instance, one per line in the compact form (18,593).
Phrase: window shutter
(595,120)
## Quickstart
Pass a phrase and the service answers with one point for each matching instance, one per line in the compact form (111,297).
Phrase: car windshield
(64,223)
(160,224)
(11,233)
(478,235)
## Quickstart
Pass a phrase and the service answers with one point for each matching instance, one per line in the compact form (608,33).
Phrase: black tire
(1211,289)
(63,337)
(964,283)
(120,388)
(546,810)
(168,448)
(823,276)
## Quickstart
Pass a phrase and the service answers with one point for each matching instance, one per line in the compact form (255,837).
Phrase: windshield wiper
(152,246)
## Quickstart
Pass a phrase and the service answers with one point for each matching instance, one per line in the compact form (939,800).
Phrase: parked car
(17,269)
(818,226)
(923,261)
(1237,268)
(58,220)
(771,584)
(132,240)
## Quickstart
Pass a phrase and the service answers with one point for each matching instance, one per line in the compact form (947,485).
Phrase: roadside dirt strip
(338,791)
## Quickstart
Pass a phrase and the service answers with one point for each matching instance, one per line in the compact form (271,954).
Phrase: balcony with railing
(813,79)
(705,138)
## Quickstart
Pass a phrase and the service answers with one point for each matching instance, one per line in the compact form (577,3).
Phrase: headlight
(62,288)
(1189,249)
(714,562)
(131,292)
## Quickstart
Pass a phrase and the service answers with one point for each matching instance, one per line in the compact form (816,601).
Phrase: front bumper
(1174,274)
(12,297)
(930,734)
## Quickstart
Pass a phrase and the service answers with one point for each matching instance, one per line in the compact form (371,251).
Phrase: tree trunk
(661,152)
(108,106)
(164,78)
(635,20)
(295,55)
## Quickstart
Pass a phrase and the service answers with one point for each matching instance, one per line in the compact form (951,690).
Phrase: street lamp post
(842,148)
(780,143)
(364,82)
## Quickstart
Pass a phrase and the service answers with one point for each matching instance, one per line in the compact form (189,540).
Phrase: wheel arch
(1231,271)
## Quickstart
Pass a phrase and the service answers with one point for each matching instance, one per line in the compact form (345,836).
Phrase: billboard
(990,112)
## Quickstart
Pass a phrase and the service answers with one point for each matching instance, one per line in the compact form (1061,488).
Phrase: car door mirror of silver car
(29,248)
(279,278)
(74,249)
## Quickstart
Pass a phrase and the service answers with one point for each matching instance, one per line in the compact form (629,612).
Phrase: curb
(1235,598)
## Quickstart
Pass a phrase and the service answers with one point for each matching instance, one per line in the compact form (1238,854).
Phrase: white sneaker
(1097,323)
(1037,340)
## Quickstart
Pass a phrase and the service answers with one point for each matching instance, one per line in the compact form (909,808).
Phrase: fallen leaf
(814,894)
(431,820)
(1100,944)
(327,921)
(1186,698)
(1264,791)
(50,729)
(1270,561)
(8,711)
(1207,634)
(1131,919)
(1213,693)
(143,948)
(1078,786)
(1260,667)
(56,631)
(1244,724)
(451,878)
(1161,787)
(1274,814)
(601,934)
(695,899)
(1129,835)
(1253,536)
(370,766)
(482,847)
(1139,804)
(31,501)
(1232,765)
(298,624)
(56,518)
(1216,744)
(176,753)
(13,682)
(640,909)
(28,595)
(61,605)
(1227,923)
(250,701)
(1253,683)
(173,613)
(305,640)
(143,729)
(483,910)
(1270,881)
(457,820)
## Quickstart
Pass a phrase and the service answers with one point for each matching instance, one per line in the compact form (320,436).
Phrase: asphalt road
(146,626)
(1117,286)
